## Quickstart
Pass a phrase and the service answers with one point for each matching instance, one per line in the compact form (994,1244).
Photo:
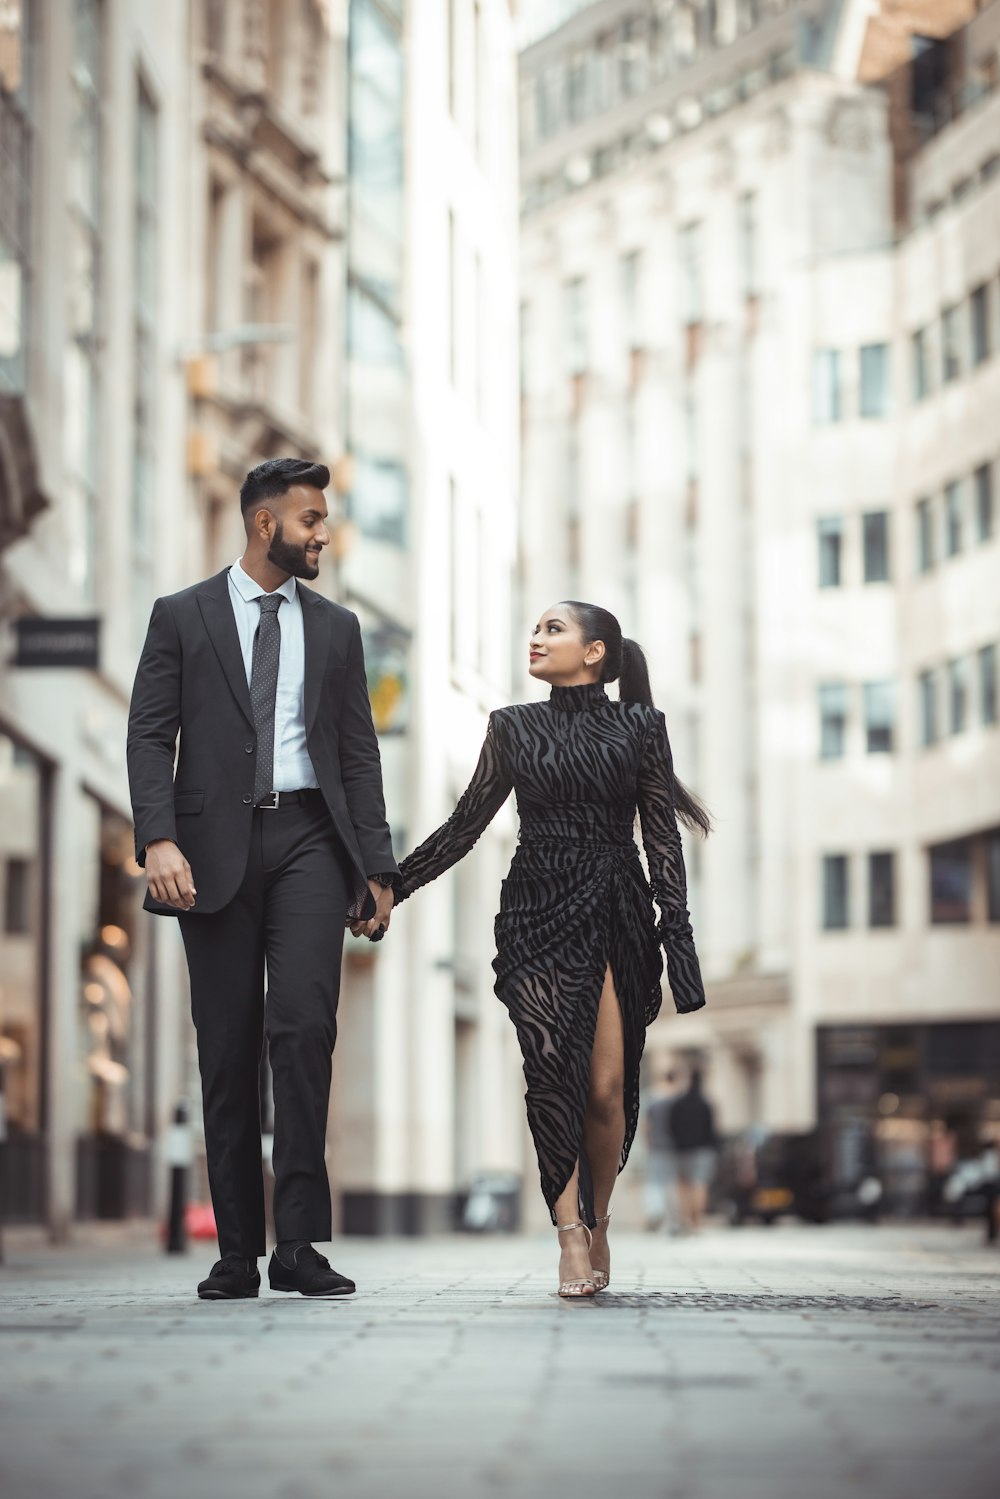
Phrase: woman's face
(557,652)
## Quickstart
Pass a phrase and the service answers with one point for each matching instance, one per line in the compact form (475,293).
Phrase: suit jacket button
(248,748)
(247,800)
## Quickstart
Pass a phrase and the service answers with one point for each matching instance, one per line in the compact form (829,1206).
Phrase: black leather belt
(309,796)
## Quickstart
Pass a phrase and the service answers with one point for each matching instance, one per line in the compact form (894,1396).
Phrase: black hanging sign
(57,642)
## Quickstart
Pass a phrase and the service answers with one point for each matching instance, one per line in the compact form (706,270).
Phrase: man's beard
(290,558)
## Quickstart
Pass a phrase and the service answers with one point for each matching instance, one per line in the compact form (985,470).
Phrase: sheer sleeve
(662,841)
(481,801)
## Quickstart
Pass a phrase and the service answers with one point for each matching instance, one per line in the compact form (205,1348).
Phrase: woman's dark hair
(625,663)
(275,477)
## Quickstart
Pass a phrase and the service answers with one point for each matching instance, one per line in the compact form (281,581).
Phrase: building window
(958,695)
(987,660)
(953,518)
(924,535)
(15,193)
(920,364)
(951,882)
(835,892)
(826,386)
(689,245)
(83,257)
(17,898)
(951,345)
(874,401)
(380,498)
(146,248)
(983,481)
(875,536)
(882,889)
(880,717)
(748,243)
(993,875)
(830,534)
(631,321)
(577,86)
(832,720)
(979,309)
(927,703)
(575,315)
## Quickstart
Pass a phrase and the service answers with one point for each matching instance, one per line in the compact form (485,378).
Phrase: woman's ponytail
(625,663)
(633,678)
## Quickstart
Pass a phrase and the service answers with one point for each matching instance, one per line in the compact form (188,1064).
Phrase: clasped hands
(171,882)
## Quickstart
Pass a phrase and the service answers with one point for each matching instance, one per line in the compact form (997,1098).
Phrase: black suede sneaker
(231,1279)
(310,1275)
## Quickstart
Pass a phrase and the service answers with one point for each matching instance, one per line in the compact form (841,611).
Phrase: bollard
(178,1153)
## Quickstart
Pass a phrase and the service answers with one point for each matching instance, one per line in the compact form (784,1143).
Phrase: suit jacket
(192,679)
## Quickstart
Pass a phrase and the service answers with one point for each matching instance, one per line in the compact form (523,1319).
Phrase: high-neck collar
(581,699)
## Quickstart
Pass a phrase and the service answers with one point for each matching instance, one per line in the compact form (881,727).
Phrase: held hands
(379,924)
(168,875)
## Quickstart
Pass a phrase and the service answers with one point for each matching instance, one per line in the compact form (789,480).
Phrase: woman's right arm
(484,796)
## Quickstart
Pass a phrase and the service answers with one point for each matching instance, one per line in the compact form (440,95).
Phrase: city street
(752,1364)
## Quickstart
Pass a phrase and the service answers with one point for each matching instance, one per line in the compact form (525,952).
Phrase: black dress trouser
(288,914)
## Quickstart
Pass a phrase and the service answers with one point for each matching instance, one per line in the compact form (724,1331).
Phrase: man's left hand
(385,899)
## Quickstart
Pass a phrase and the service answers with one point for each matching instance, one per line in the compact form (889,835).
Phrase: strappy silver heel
(602,1278)
(571,1290)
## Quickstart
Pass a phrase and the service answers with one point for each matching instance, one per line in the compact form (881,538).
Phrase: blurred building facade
(230,230)
(427,1088)
(760,366)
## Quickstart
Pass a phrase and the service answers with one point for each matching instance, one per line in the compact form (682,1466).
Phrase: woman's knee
(605,1099)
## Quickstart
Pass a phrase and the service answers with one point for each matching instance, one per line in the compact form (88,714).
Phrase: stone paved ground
(792,1363)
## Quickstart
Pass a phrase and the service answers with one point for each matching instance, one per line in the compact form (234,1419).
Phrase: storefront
(24,904)
(907,1103)
(115,1070)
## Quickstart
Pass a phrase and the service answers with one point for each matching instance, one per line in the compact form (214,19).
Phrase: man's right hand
(168,875)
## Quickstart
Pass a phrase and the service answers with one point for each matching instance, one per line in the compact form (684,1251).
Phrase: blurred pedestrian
(661,1159)
(267,838)
(578,960)
(692,1125)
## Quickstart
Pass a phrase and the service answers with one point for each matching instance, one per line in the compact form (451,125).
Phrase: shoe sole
(315,1295)
(228,1295)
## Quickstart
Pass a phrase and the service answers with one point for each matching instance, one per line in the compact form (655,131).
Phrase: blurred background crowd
(687,307)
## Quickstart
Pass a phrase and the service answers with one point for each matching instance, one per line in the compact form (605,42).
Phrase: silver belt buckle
(272,805)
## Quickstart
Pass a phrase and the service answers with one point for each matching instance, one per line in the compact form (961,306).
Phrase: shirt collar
(251,591)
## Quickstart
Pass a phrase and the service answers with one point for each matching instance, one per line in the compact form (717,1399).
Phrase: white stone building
(169,314)
(742,225)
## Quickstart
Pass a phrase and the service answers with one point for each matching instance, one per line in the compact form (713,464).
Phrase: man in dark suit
(267,839)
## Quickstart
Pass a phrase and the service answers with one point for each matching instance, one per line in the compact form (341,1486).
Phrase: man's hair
(276,476)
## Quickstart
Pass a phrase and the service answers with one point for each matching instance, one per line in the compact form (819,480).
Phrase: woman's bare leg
(604,1124)
(574,1260)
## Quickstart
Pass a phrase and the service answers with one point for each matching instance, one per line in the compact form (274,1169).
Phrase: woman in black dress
(578,960)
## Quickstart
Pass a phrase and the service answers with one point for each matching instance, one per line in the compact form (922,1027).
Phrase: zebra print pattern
(576,899)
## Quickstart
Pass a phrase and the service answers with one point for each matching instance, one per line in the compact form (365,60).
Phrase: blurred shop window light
(386,651)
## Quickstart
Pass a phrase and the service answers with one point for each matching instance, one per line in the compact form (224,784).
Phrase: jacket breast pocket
(188,801)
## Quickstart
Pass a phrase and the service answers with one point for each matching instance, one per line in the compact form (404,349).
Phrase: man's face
(300,532)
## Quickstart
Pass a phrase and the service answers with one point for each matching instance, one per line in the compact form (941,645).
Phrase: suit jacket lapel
(217,612)
(316,633)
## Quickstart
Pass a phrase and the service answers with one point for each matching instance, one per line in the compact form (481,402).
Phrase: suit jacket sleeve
(361,765)
(153,723)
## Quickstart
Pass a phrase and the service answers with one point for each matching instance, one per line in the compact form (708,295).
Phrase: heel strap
(564,1228)
(603,1221)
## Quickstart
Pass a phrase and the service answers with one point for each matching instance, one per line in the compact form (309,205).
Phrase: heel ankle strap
(603,1221)
(564,1228)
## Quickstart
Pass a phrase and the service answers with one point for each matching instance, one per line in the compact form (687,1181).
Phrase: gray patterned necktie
(263,689)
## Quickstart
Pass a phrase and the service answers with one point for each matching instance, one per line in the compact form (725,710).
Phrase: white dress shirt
(293,769)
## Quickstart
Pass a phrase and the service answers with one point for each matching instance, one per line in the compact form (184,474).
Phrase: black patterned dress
(576,899)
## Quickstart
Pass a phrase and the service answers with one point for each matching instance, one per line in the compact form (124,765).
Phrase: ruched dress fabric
(576,900)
